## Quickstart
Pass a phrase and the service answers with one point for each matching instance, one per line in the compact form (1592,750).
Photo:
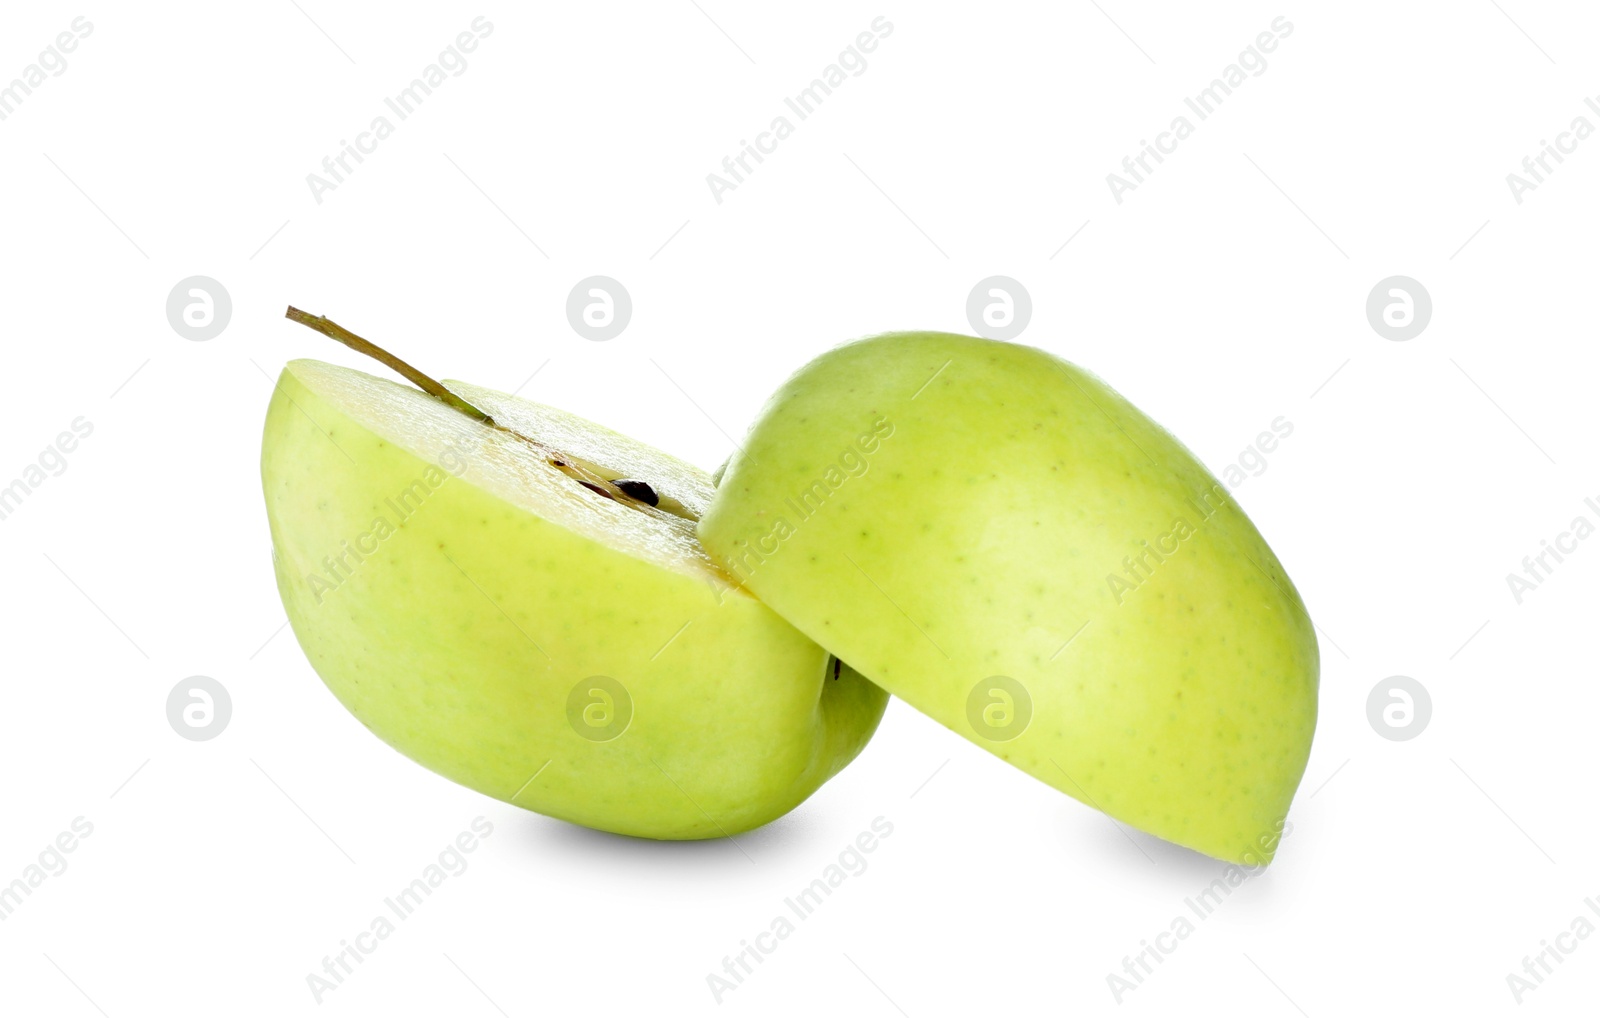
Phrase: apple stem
(333,330)
(637,494)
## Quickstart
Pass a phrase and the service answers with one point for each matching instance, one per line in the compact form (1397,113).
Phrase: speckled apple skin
(460,638)
(1004,489)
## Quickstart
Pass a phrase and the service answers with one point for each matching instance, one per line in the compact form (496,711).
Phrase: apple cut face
(1000,539)
(500,623)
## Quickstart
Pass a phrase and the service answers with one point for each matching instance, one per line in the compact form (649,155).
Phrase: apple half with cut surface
(552,638)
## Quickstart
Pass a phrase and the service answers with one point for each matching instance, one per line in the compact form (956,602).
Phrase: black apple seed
(640,490)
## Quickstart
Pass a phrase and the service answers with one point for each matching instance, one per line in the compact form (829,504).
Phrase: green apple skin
(940,510)
(459,638)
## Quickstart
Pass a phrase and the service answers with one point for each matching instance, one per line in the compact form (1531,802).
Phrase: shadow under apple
(792,837)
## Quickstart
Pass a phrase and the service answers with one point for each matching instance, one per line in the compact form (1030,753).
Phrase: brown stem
(590,475)
(334,330)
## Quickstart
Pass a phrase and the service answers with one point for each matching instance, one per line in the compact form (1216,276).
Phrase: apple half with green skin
(537,638)
(1000,539)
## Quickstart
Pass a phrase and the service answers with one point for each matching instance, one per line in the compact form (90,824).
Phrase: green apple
(553,639)
(998,538)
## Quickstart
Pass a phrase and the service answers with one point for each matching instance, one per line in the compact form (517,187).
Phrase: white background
(1227,290)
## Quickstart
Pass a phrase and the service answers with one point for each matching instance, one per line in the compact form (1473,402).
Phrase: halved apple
(476,596)
(1002,540)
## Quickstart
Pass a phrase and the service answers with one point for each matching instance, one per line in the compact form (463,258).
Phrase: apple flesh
(1000,539)
(531,638)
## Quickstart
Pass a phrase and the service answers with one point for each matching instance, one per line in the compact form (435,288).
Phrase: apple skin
(735,721)
(941,510)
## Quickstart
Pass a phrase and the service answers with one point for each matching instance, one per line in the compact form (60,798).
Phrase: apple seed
(639,490)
